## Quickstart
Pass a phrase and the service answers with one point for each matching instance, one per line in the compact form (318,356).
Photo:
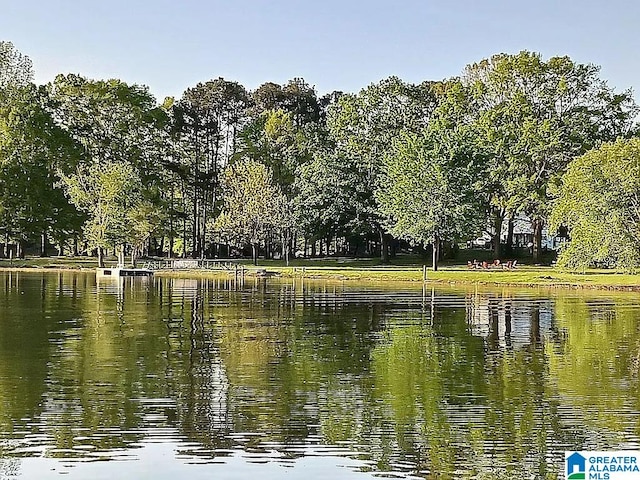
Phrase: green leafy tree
(296,97)
(208,120)
(16,69)
(287,127)
(32,149)
(146,219)
(107,193)
(268,96)
(599,202)
(533,117)
(112,120)
(120,129)
(363,127)
(253,205)
(425,192)
(324,197)
(274,140)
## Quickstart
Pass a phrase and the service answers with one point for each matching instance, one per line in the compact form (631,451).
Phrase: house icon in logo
(576,466)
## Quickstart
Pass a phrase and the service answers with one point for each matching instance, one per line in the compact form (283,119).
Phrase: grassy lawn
(520,276)
(75,263)
(403,269)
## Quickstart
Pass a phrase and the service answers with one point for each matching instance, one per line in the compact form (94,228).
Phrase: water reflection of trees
(595,365)
(465,393)
(443,383)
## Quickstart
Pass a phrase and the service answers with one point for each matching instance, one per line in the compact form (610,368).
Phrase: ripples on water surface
(160,378)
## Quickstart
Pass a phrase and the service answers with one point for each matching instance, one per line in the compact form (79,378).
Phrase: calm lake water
(167,379)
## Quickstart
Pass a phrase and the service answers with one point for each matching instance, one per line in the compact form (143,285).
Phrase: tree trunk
(75,245)
(254,251)
(195,233)
(134,258)
(268,247)
(393,248)
(100,258)
(384,247)
(120,253)
(184,238)
(293,242)
(6,245)
(509,246)
(203,231)
(43,244)
(537,240)
(313,248)
(286,245)
(435,253)
(497,226)
(195,230)
(172,211)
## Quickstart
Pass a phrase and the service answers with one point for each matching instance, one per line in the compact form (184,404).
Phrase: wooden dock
(189,264)
(123,272)
(233,268)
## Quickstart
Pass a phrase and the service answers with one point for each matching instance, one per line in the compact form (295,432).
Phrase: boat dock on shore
(123,272)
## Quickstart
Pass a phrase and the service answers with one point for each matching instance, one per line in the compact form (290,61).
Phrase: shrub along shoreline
(365,271)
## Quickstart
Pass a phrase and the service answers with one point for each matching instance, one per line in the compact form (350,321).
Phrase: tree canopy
(426,191)
(533,117)
(253,207)
(599,202)
(103,164)
(16,69)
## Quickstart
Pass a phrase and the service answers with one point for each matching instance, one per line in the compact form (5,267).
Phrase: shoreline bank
(525,276)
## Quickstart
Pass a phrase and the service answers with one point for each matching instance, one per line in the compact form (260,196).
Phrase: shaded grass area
(71,263)
(403,269)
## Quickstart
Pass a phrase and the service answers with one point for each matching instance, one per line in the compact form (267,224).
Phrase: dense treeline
(99,166)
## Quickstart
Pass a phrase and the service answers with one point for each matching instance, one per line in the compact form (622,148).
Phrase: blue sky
(335,45)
